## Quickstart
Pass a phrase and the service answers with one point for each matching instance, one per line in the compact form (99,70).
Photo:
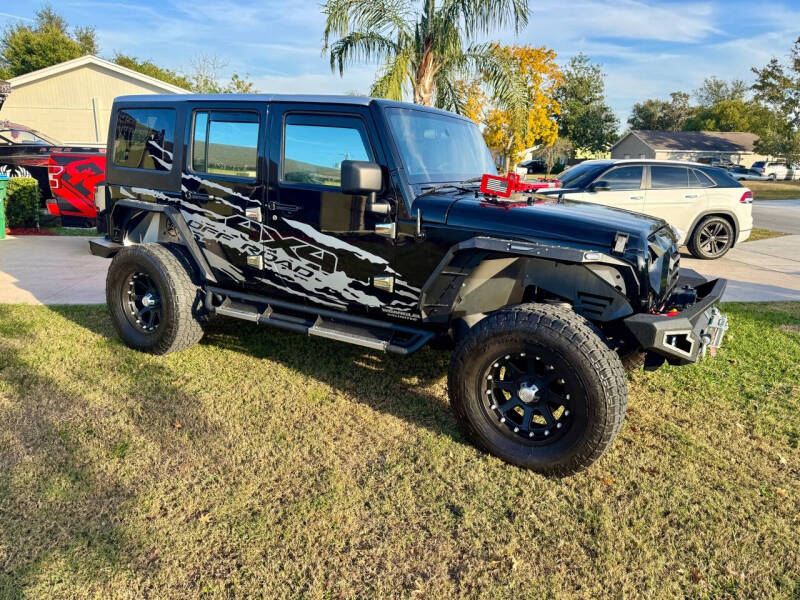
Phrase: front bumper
(685,337)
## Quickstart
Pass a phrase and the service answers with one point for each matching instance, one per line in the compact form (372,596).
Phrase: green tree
(777,87)
(585,119)
(661,115)
(427,47)
(732,115)
(26,48)
(147,67)
(714,90)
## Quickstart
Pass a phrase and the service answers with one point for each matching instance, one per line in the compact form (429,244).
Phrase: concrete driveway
(766,270)
(60,270)
(51,270)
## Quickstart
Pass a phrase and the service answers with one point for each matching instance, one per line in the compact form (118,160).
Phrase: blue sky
(647,48)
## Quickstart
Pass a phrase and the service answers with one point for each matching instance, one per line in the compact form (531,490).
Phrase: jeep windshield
(437,148)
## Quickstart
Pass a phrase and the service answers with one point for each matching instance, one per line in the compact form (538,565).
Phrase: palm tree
(429,47)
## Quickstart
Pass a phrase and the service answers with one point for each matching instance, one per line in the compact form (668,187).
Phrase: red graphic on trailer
(73,178)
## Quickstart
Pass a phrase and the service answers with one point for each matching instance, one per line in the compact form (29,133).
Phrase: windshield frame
(418,181)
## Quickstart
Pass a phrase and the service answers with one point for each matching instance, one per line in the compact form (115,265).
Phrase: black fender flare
(174,215)
(444,283)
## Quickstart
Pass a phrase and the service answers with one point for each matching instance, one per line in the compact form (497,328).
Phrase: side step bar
(319,322)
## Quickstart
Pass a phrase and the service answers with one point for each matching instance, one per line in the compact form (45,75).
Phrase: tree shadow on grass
(63,447)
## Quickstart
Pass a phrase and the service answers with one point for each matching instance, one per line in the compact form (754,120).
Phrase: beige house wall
(74,106)
(739,158)
(632,147)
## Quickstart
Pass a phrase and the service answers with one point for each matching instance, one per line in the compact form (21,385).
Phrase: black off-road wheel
(537,386)
(712,238)
(153,299)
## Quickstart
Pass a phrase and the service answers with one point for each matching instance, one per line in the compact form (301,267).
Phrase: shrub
(22,202)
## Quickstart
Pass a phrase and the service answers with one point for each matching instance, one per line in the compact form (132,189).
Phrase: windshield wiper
(455,186)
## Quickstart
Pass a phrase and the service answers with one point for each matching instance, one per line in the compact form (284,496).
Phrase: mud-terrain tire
(563,356)
(706,243)
(166,273)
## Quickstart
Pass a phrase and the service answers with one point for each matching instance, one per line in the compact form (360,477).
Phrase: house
(71,101)
(734,146)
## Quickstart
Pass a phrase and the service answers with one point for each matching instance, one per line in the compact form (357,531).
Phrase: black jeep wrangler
(362,220)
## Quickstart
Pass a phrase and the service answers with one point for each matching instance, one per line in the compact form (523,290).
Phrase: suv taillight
(53,171)
(747,197)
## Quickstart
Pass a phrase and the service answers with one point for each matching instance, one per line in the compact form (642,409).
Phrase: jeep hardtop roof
(298,98)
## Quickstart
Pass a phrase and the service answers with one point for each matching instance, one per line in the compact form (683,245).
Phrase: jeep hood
(569,222)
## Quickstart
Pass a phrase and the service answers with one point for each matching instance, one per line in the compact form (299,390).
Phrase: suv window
(315,146)
(225,143)
(624,178)
(757,165)
(700,179)
(662,178)
(144,138)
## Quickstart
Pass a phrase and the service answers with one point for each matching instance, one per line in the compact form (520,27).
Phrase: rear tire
(712,238)
(153,298)
(537,386)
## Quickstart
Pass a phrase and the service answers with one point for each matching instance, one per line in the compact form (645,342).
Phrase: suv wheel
(536,386)
(712,238)
(154,303)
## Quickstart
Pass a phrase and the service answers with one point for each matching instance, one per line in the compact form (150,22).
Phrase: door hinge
(620,241)
(386,229)
(384,282)
(253,213)
(256,261)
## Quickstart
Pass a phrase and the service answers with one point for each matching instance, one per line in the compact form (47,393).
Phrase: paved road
(60,270)
(777,215)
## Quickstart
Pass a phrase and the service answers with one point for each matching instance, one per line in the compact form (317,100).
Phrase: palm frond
(389,83)
(389,18)
(480,16)
(500,73)
(448,96)
(358,45)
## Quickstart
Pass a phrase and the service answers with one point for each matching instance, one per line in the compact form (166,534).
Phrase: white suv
(770,170)
(711,210)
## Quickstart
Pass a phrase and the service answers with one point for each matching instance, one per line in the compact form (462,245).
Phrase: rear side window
(757,165)
(700,179)
(144,138)
(663,178)
(225,143)
(624,178)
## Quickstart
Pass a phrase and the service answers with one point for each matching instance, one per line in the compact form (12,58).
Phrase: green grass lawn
(72,231)
(261,464)
(764,234)
(774,190)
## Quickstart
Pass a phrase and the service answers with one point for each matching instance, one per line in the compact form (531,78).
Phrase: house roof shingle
(707,141)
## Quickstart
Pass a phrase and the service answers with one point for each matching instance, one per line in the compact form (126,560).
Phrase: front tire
(153,301)
(712,238)
(537,387)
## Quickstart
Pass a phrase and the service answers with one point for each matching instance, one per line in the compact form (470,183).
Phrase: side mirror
(361,178)
(600,186)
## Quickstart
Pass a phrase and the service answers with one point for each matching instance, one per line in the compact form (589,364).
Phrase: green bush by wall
(22,202)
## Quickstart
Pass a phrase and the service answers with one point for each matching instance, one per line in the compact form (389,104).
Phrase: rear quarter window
(144,138)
